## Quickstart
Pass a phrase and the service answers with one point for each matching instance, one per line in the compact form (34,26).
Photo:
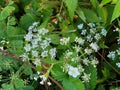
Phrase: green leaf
(93,77)
(27,19)
(116,12)
(58,73)
(28,88)
(102,11)
(94,3)
(19,84)
(81,14)
(71,6)
(100,87)
(6,12)
(73,84)
(27,70)
(91,16)
(6,86)
(105,2)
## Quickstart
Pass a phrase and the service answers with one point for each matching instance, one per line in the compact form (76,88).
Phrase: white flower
(94,62)
(94,46)
(97,36)
(79,41)
(24,57)
(35,23)
(91,25)
(68,54)
(89,38)
(104,32)
(80,26)
(92,30)
(45,43)
(44,54)
(73,71)
(118,40)
(84,31)
(28,37)
(35,53)
(86,61)
(27,47)
(49,83)
(37,62)
(118,51)
(80,68)
(52,53)
(77,48)
(88,51)
(111,55)
(86,77)
(43,31)
(118,65)
(64,40)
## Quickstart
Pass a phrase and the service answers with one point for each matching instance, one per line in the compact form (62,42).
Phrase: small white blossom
(80,68)
(84,31)
(68,54)
(45,43)
(91,25)
(1,48)
(77,48)
(44,54)
(24,57)
(88,51)
(118,51)
(111,55)
(80,26)
(86,77)
(118,65)
(73,71)
(86,61)
(94,62)
(64,40)
(79,41)
(43,79)
(43,31)
(49,83)
(35,53)
(28,37)
(35,23)
(118,40)
(37,62)
(94,46)
(27,47)
(104,32)
(92,30)
(89,38)
(97,36)
(52,53)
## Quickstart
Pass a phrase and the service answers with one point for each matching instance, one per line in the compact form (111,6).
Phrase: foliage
(59,44)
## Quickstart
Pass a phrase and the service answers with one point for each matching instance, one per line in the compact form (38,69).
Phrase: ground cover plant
(59,45)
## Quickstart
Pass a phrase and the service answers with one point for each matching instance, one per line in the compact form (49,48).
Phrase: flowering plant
(59,44)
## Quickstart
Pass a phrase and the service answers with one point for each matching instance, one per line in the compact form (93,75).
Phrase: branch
(109,63)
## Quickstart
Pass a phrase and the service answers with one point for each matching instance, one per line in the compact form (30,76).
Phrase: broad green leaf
(71,6)
(93,77)
(73,84)
(90,15)
(58,73)
(105,2)
(81,14)
(28,88)
(19,84)
(116,12)
(102,11)
(27,70)
(94,3)
(6,86)
(6,12)
(27,19)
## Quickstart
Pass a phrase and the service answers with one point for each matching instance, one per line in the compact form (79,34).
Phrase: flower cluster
(77,55)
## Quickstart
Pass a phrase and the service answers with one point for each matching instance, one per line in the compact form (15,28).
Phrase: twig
(20,60)
(109,63)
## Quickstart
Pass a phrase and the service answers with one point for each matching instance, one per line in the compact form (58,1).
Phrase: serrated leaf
(6,12)
(73,84)
(19,84)
(116,12)
(58,73)
(81,14)
(71,6)
(91,16)
(27,19)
